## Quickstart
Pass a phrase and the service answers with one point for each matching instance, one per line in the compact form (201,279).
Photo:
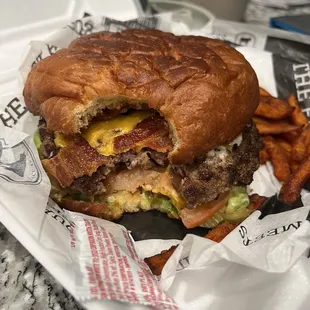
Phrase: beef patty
(221,169)
(92,185)
(198,182)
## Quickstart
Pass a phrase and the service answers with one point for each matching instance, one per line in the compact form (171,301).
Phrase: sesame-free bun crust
(205,89)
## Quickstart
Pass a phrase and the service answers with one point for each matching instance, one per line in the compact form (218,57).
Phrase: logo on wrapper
(114,25)
(245,39)
(183,263)
(272,232)
(301,73)
(18,164)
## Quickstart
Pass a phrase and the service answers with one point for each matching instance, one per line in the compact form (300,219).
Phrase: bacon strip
(77,159)
(151,132)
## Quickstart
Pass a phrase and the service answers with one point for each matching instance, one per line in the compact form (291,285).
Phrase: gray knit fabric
(25,284)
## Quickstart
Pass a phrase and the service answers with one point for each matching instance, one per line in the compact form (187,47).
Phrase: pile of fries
(286,133)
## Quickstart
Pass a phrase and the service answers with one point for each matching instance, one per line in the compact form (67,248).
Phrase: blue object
(296,23)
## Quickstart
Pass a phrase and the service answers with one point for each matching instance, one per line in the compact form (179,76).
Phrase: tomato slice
(194,217)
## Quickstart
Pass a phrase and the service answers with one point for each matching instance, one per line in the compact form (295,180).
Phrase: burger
(142,120)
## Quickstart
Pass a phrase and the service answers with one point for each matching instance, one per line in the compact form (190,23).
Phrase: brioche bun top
(205,89)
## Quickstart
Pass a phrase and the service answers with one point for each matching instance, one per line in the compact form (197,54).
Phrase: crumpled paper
(262,264)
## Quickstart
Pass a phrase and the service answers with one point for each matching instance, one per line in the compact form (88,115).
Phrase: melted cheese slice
(60,140)
(165,187)
(100,135)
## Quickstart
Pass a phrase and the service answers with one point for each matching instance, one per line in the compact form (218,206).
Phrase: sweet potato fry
(219,232)
(158,261)
(274,127)
(294,165)
(273,108)
(300,146)
(290,190)
(263,92)
(285,146)
(291,136)
(263,156)
(256,201)
(298,117)
(308,149)
(278,159)
(261,120)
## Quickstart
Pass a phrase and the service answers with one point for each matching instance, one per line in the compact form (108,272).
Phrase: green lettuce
(37,140)
(237,206)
